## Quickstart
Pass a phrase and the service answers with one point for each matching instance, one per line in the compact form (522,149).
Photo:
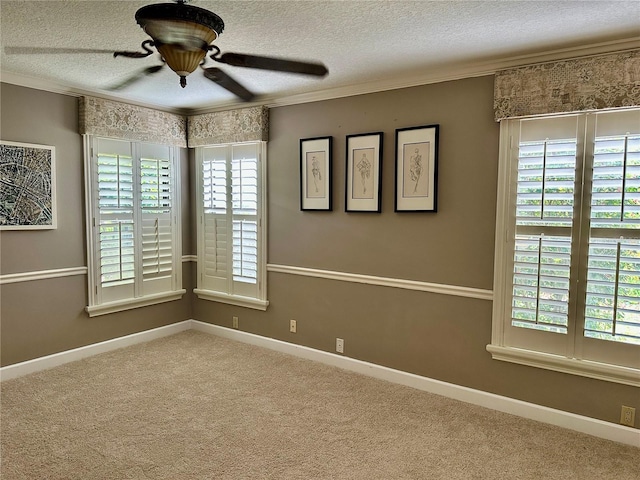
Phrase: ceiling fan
(183,36)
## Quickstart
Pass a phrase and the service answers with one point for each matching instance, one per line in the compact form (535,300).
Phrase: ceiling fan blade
(131,54)
(270,63)
(225,81)
(137,76)
(51,50)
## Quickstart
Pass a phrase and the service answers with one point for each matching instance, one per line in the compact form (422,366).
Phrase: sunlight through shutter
(544,216)
(115,218)
(155,198)
(245,223)
(613,276)
(214,240)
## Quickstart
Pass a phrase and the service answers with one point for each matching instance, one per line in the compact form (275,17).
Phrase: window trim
(238,300)
(131,303)
(94,308)
(260,302)
(498,348)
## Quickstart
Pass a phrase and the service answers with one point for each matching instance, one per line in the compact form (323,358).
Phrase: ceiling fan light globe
(181,61)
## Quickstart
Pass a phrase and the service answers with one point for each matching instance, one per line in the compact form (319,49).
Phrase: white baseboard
(590,426)
(50,361)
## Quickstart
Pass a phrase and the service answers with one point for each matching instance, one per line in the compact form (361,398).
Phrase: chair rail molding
(41,275)
(440,288)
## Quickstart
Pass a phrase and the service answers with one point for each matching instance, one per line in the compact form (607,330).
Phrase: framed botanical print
(364,169)
(315,173)
(416,169)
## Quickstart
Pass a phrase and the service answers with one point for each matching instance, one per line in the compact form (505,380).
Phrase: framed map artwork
(27,186)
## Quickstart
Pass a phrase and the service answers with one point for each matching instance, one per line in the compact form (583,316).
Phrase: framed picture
(28,187)
(417,169)
(364,168)
(315,173)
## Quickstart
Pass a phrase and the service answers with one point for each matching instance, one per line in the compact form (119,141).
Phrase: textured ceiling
(365,44)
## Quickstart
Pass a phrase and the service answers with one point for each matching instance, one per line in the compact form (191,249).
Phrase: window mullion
(586,138)
(230,218)
(137,219)
(624,176)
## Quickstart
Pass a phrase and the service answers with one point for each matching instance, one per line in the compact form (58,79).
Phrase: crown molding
(434,74)
(76,91)
(458,71)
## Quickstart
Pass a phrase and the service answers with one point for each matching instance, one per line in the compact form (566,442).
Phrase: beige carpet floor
(196,406)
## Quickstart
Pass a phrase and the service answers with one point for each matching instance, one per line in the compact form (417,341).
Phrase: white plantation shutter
(612,304)
(568,243)
(134,238)
(156,218)
(214,219)
(230,249)
(244,199)
(544,217)
(115,219)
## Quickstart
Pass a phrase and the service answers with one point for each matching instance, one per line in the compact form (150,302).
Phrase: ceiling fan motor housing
(181,33)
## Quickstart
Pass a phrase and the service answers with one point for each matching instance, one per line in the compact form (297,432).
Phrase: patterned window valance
(233,126)
(108,118)
(593,83)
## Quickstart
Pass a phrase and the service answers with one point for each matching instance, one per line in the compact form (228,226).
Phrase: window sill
(585,368)
(130,303)
(247,302)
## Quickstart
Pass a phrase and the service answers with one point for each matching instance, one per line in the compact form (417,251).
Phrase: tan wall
(42,317)
(438,336)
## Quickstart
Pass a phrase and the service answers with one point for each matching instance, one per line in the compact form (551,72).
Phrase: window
(134,230)
(567,272)
(231,229)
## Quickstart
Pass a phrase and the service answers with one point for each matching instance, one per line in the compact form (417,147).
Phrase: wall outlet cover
(628,416)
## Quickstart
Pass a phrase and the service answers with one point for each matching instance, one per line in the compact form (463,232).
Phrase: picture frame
(316,173)
(417,169)
(28,189)
(363,192)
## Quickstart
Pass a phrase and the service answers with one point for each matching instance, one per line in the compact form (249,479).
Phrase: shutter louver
(215,245)
(245,251)
(115,217)
(157,228)
(245,213)
(613,271)
(214,190)
(544,217)
(157,252)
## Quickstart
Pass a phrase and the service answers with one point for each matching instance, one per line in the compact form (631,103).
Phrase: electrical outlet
(628,416)
(235,322)
(339,345)
(293,326)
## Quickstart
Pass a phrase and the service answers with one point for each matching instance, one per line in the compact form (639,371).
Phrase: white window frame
(98,304)
(567,357)
(226,293)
